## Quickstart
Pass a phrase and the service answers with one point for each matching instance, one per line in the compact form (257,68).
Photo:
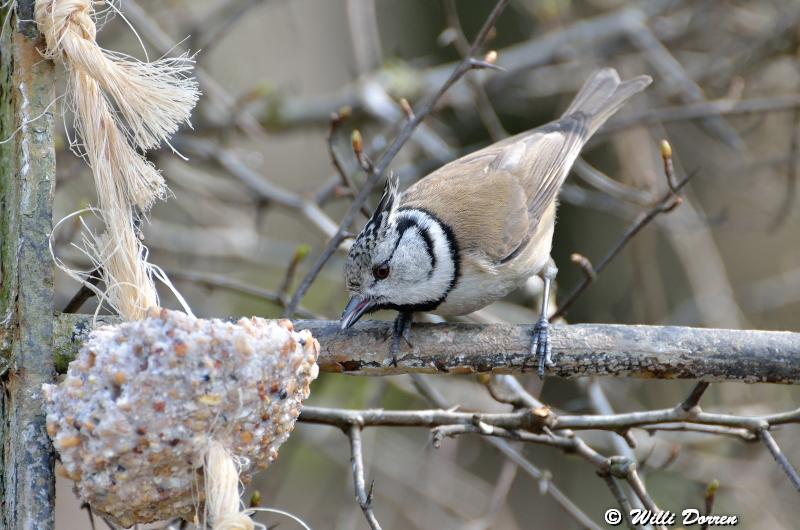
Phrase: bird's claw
(395,349)
(400,331)
(540,345)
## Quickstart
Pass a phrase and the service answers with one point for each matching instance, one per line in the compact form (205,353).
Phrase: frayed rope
(122,107)
(221,479)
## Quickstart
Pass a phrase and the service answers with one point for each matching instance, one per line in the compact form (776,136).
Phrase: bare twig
(619,495)
(364,34)
(213,27)
(363,496)
(624,442)
(552,490)
(503,485)
(213,92)
(694,397)
(741,434)
(486,112)
(696,111)
(256,182)
(380,167)
(336,120)
(509,451)
(668,202)
(585,34)
(585,265)
(83,294)
(625,468)
(674,76)
(538,420)
(606,184)
(299,255)
(226,282)
(779,457)
(791,173)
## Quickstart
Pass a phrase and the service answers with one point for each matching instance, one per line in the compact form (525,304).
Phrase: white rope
(122,107)
(222,491)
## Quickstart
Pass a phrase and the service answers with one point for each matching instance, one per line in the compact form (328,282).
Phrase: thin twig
(602,182)
(624,442)
(336,120)
(585,265)
(739,433)
(791,173)
(255,181)
(619,495)
(694,397)
(628,470)
(436,399)
(214,26)
(299,255)
(89,514)
(225,282)
(363,496)
(486,112)
(674,76)
(537,474)
(668,202)
(535,420)
(380,167)
(502,489)
(83,294)
(696,111)
(779,457)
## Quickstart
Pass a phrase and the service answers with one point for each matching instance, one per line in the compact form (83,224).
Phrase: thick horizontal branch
(579,350)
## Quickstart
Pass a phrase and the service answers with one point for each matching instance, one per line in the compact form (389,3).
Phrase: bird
(477,228)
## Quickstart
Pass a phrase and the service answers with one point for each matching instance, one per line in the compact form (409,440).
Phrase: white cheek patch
(411,261)
(427,268)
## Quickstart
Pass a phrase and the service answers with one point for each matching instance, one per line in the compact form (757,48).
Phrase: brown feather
(496,198)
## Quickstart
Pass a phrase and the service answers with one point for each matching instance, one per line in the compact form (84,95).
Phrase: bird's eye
(381,272)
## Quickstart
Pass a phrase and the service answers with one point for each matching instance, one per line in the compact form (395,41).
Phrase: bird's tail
(602,95)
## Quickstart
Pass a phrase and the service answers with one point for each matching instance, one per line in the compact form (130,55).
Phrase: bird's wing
(487,213)
(526,170)
(541,160)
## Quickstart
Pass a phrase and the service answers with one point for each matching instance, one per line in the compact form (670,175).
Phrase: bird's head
(404,259)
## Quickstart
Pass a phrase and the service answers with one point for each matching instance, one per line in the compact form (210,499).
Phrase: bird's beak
(355,309)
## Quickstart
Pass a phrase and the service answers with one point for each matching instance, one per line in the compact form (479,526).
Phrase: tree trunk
(27,179)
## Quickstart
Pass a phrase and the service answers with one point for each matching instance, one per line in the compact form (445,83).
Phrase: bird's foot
(401,330)
(540,345)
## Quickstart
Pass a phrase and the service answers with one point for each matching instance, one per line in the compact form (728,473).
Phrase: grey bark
(27,177)
(662,352)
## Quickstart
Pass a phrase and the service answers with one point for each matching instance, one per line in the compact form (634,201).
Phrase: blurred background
(258,197)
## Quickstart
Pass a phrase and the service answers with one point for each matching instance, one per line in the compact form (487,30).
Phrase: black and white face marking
(420,253)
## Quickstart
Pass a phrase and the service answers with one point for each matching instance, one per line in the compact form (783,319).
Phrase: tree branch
(580,350)
(780,458)
(27,186)
(363,496)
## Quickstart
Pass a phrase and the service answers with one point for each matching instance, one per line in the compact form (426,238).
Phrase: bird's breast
(482,282)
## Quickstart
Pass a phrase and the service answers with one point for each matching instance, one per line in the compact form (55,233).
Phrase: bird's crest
(388,203)
(361,251)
